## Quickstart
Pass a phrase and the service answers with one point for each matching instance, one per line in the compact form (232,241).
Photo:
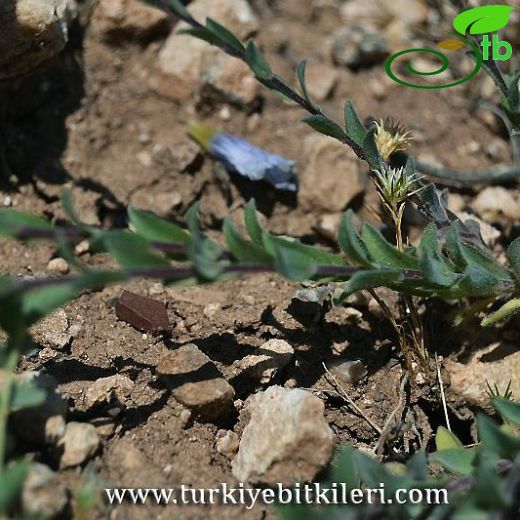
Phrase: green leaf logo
(481,20)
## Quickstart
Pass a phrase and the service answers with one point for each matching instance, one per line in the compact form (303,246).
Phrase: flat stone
(79,443)
(196,383)
(129,19)
(185,64)
(286,440)
(321,80)
(494,201)
(272,356)
(53,331)
(108,389)
(344,180)
(499,363)
(142,312)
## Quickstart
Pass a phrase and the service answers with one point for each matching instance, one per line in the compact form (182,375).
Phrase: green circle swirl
(444,66)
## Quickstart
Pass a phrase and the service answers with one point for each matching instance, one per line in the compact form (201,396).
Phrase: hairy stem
(9,367)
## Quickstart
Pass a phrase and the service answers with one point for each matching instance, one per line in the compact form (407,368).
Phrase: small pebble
(58,265)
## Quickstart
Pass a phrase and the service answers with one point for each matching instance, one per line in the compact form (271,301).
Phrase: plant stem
(5,401)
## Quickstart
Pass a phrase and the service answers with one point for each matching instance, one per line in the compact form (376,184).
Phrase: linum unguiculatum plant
(450,262)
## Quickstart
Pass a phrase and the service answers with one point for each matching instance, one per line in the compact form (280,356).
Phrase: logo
(480,20)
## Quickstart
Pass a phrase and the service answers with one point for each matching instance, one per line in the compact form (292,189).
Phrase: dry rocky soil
(236,389)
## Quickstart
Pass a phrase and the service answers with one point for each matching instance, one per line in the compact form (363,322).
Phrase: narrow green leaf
(252,224)
(257,62)
(370,149)
(509,410)
(131,250)
(325,126)
(434,266)
(384,253)
(300,71)
(353,126)
(495,440)
(476,282)
(351,243)
(344,469)
(243,249)
(456,460)
(203,252)
(202,34)
(26,395)
(67,202)
(11,482)
(446,440)
(507,311)
(224,34)
(151,227)
(13,222)
(178,7)
(370,280)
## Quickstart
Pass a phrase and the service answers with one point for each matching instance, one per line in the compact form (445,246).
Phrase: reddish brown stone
(142,312)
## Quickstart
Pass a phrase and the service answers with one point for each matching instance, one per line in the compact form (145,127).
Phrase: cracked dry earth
(107,121)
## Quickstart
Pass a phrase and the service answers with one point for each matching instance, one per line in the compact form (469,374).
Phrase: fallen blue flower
(240,156)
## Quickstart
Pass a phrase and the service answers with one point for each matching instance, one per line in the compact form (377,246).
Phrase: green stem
(5,401)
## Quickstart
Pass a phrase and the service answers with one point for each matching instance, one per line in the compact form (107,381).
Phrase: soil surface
(91,121)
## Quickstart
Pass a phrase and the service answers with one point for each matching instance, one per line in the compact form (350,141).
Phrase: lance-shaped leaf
(131,250)
(353,126)
(370,149)
(225,35)
(13,223)
(325,126)
(152,227)
(298,261)
(456,460)
(203,252)
(475,282)
(495,440)
(202,34)
(351,243)
(252,224)
(300,72)
(508,409)
(243,249)
(481,20)
(370,280)
(434,266)
(384,253)
(257,62)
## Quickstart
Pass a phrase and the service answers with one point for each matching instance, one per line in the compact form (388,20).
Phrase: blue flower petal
(254,163)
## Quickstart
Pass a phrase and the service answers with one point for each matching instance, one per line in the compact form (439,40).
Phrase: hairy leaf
(384,253)
(151,227)
(224,34)
(370,149)
(351,243)
(353,126)
(255,59)
(252,224)
(243,249)
(434,266)
(509,410)
(325,126)
(13,222)
(507,311)
(456,460)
